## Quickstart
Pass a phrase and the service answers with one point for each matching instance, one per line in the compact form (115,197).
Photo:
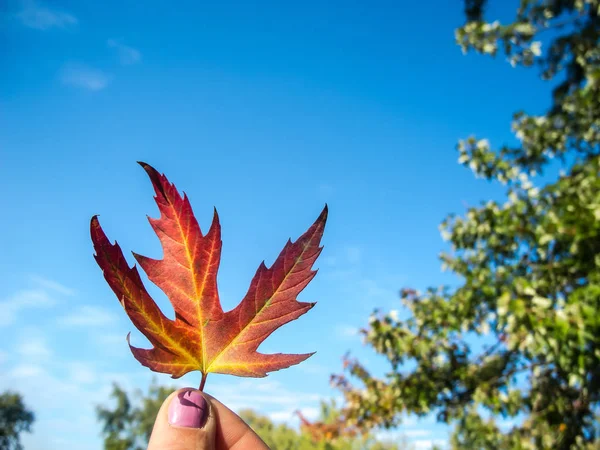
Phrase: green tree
(528,269)
(128,426)
(14,419)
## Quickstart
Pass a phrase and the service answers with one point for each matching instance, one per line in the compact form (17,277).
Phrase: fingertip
(185,422)
(188,409)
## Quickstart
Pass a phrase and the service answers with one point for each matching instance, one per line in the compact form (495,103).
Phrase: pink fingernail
(188,409)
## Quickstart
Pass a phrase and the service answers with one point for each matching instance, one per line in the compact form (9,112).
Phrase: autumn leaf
(203,337)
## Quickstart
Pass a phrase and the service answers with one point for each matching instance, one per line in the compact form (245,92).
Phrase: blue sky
(265,111)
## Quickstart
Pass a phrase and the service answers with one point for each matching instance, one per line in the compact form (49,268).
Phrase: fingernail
(188,409)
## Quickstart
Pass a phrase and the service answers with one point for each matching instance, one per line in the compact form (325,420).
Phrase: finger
(186,421)
(232,432)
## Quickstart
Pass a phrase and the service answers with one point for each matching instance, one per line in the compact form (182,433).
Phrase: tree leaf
(203,337)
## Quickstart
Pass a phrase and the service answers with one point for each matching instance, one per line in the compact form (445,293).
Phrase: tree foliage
(128,424)
(528,268)
(15,418)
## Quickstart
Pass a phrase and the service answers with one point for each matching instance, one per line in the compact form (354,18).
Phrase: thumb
(185,421)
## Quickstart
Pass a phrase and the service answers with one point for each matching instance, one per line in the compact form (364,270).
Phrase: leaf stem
(203,382)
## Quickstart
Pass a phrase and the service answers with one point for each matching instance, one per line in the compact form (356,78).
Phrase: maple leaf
(202,336)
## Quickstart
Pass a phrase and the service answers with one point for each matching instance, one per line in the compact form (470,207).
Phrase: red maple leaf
(203,337)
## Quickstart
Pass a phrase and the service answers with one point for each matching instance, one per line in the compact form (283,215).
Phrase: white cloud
(267,397)
(52,285)
(261,395)
(23,299)
(33,347)
(25,371)
(64,406)
(346,331)
(84,77)
(34,15)
(507,424)
(388,435)
(88,316)
(81,373)
(111,339)
(127,55)
(289,415)
(410,421)
(419,432)
(426,444)
(57,387)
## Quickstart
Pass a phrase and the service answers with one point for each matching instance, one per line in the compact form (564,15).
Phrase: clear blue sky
(266,111)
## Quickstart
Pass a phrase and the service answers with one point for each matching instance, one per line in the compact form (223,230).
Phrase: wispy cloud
(72,381)
(111,339)
(88,316)
(33,347)
(52,285)
(84,77)
(35,15)
(507,424)
(127,55)
(262,395)
(26,370)
(426,444)
(64,408)
(81,373)
(289,415)
(417,432)
(22,300)
(346,331)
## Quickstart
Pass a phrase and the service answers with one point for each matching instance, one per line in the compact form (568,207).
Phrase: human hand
(192,420)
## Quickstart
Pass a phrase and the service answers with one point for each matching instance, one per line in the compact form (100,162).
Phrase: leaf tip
(96,232)
(322,219)
(158,181)
(94,221)
(215,221)
(151,171)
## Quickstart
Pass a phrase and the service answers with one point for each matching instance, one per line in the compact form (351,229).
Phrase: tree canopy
(528,268)
(15,418)
(128,424)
